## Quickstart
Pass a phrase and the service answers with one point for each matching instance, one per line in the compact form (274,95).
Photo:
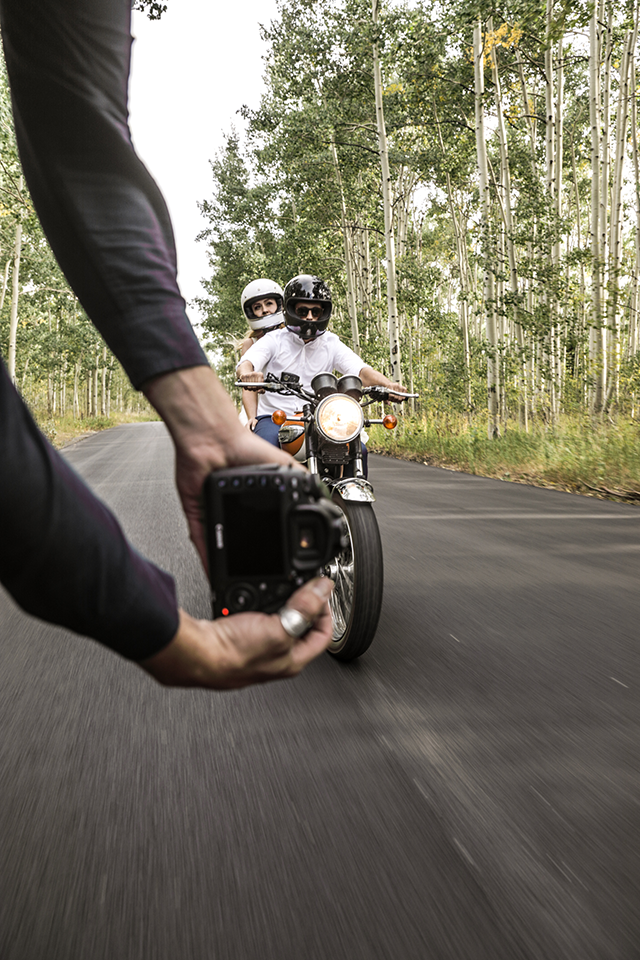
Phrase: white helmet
(260,290)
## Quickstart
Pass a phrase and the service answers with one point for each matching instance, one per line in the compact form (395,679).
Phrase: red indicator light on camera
(225,612)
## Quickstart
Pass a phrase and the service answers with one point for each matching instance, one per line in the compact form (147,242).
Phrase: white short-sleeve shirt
(282,351)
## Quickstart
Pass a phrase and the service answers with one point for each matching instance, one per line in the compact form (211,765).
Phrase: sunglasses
(303,311)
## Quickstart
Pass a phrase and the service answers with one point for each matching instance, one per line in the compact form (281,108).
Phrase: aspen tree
(596,339)
(485,204)
(604,193)
(392,297)
(348,259)
(15,292)
(462,269)
(615,238)
(507,215)
(633,319)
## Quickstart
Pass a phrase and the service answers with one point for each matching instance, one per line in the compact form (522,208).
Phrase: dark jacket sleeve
(105,218)
(63,556)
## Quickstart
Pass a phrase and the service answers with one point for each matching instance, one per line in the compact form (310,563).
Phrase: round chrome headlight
(339,418)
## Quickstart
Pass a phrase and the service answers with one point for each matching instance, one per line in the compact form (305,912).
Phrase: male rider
(306,347)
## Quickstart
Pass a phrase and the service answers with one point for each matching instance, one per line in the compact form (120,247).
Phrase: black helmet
(307,289)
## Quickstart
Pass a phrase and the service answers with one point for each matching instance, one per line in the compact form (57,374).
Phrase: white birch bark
(507,215)
(485,206)
(615,238)
(5,282)
(596,339)
(604,191)
(557,247)
(633,332)
(15,295)
(348,260)
(392,297)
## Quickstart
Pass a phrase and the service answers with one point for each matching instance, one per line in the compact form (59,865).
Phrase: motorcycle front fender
(355,488)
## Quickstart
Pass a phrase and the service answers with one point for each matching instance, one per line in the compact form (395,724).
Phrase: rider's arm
(257,357)
(250,404)
(373,378)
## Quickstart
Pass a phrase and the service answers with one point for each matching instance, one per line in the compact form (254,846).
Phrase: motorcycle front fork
(312,451)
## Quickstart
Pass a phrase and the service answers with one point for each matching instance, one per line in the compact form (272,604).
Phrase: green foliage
(152,8)
(579,453)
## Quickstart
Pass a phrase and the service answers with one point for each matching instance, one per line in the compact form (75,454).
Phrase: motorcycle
(326,435)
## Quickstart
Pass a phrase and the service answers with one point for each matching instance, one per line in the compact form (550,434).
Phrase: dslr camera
(269,529)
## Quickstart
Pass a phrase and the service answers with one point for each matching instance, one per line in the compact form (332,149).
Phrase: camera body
(269,529)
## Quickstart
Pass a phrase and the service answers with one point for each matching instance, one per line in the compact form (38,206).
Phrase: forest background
(467,179)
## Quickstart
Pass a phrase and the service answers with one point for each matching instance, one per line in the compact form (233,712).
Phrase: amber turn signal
(389,421)
(279,417)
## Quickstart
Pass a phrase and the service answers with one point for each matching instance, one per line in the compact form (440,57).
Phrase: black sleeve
(63,556)
(105,218)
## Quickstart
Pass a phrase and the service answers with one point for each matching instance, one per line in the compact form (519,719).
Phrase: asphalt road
(469,789)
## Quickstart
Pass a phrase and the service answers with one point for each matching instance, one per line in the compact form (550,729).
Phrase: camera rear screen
(254,534)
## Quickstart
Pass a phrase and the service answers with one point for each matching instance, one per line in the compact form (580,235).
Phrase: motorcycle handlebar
(381,392)
(384,392)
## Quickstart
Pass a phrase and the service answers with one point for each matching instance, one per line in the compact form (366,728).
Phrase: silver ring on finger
(293,622)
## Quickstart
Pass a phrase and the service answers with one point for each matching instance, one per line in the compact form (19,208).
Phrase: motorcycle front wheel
(358,576)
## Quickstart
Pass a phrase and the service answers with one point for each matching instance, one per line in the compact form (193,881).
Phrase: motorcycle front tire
(359,578)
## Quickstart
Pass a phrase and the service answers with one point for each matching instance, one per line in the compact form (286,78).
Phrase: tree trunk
(15,294)
(489,296)
(103,403)
(596,339)
(5,282)
(348,259)
(633,333)
(615,239)
(505,187)
(392,299)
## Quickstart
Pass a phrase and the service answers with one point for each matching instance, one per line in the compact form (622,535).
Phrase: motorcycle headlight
(339,418)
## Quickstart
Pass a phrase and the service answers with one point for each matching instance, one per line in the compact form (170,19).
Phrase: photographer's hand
(248,648)
(207,435)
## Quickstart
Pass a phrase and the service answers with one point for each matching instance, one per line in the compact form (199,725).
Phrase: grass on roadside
(61,430)
(580,454)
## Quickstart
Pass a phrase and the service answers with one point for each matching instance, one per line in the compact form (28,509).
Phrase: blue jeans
(267,429)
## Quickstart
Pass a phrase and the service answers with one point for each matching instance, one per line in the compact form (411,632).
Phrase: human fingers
(245,649)
(279,655)
(250,378)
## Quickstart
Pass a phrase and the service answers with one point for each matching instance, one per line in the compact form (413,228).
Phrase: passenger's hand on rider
(251,425)
(247,648)
(207,435)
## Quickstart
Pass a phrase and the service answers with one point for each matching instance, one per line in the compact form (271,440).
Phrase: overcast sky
(192,71)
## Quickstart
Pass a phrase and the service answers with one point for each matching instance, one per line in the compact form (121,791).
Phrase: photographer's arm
(64,558)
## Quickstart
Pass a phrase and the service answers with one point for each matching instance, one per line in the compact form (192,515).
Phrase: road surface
(469,789)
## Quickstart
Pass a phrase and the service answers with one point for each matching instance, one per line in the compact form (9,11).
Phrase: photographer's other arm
(248,648)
